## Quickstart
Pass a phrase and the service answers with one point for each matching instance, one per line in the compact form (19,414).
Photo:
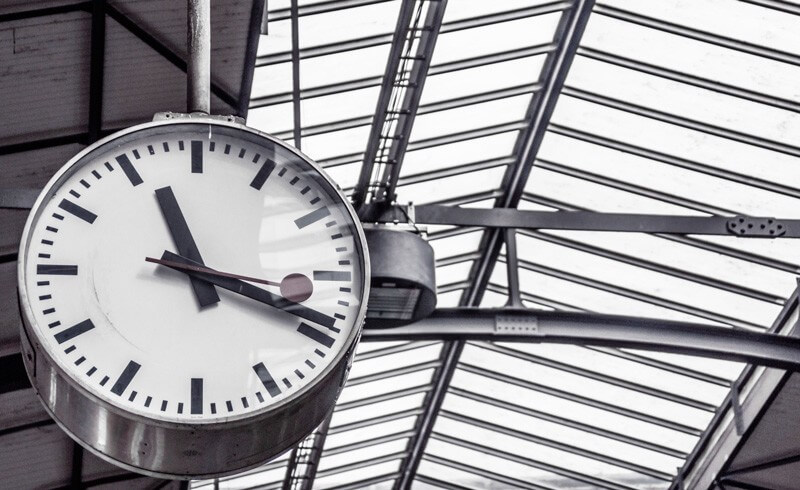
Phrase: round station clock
(192,291)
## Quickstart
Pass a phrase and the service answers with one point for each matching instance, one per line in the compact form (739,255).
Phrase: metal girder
(524,325)
(719,443)
(254,30)
(568,34)
(398,100)
(500,217)
(301,468)
(297,124)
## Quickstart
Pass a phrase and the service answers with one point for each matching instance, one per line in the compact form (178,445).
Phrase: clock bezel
(52,390)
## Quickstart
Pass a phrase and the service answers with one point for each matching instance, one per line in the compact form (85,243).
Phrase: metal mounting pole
(198,80)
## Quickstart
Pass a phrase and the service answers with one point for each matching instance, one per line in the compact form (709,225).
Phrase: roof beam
(568,35)
(398,101)
(304,459)
(558,327)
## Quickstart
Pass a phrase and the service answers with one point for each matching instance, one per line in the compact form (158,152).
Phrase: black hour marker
(266,379)
(339,316)
(343,303)
(136,154)
(242,152)
(151,150)
(148,401)
(84,183)
(319,353)
(57,216)
(57,269)
(104,381)
(163,405)
(229,405)
(44,297)
(312,217)
(305,189)
(344,262)
(96,175)
(180,145)
(213,408)
(283,171)
(332,276)
(315,200)
(74,193)
(180,407)
(133,393)
(77,211)
(125,378)
(329,224)
(50,228)
(54,324)
(345,290)
(69,349)
(299,374)
(315,334)
(47,242)
(197,157)
(336,236)
(263,174)
(166,147)
(212,145)
(294,180)
(43,283)
(310,364)
(260,397)
(130,172)
(255,158)
(341,249)
(109,167)
(44,256)
(287,383)
(244,402)
(79,361)
(91,371)
(49,310)
(197,396)
(227,149)
(74,331)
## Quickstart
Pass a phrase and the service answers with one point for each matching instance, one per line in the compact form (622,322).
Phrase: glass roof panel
(347,24)
(494,38)
(459,153)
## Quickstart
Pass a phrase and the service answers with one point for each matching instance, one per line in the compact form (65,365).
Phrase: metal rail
(522,325)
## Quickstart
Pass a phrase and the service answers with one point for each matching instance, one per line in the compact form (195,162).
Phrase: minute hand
(252,292)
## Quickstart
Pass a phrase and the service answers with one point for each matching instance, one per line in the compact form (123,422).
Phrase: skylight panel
(337,107)
(470,117)
(451,187)
(486,78)
(648,282)
(686,55)
(346,24)
(611,419)
(341,67)
(494,38)
(272,119)
(458,153)
(742,21)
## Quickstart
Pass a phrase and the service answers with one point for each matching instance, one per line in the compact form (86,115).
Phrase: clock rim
(244,418)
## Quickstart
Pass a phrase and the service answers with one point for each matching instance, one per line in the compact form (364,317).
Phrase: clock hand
(248,290)
(203,291)
(294,287)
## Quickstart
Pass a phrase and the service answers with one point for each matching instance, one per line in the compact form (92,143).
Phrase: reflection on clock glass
(193,272)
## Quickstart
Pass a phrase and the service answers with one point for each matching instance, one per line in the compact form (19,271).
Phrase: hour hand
(204,292)
(238,286)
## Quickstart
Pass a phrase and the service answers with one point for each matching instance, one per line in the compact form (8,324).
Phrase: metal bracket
(738,415)
(749,226)
(167,116)
(516,325)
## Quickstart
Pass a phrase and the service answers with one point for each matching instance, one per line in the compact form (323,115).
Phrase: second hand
(294,287)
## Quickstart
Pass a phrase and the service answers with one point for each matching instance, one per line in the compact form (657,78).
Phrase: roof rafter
(399,99)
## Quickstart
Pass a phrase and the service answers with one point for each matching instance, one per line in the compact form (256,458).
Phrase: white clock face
(134,263)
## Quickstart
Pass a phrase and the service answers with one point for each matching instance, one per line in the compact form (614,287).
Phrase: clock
(192,291)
